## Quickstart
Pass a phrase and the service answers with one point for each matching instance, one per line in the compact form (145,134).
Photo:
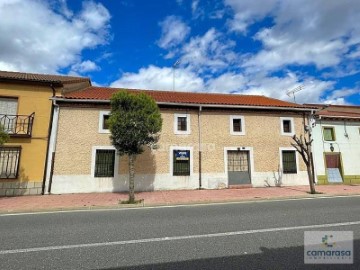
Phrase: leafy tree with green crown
(135,122)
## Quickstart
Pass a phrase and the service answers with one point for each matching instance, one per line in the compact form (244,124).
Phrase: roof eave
(106,101)
(42,82)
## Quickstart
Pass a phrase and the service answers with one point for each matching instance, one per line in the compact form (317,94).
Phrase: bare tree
(303,147)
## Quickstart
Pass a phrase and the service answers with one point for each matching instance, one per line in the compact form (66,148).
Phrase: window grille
(238,161)
(181,162)
(289,161)
(9,162)
(104,163)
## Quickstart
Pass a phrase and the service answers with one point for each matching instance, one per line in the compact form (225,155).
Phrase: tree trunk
(311,174)
(132,158)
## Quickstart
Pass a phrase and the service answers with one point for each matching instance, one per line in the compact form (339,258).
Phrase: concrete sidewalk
(176,197)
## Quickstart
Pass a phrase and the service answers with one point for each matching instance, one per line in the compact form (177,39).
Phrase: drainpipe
(53,139)
(48,142)
(199,142)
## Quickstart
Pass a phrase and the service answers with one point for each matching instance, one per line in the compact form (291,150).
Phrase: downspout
(200,146)
(54,131)
(48,141)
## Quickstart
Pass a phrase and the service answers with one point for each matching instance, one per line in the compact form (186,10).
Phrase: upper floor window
(8,112)
(287,126)
(103,124)
(182,124)
(8,106)
(237,125)
(329,133)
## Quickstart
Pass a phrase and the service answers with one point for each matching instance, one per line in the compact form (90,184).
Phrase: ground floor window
(104,163)
(9,162)
(289,161)
(181,162)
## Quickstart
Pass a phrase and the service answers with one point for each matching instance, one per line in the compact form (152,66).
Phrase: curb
(143,205)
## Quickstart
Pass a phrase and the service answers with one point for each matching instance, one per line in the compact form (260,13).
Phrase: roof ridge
(190,92)
(42,74)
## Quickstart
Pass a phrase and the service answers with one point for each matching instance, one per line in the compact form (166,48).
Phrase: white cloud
(158,78)
(318,32)
(247,12)
(35,37)
(173,32)
(227,82)
(210,51)
(85,66)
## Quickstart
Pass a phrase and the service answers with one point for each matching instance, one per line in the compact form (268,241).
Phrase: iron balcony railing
(17,125)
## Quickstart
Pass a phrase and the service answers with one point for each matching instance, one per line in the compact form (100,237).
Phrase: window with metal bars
(182,123)
(289,161)
(104,163)
(181,162)
(9,162)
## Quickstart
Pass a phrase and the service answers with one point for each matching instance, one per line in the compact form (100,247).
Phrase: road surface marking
(175,238)
(95,209)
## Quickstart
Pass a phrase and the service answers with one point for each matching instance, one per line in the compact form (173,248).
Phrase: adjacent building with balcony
(26,115)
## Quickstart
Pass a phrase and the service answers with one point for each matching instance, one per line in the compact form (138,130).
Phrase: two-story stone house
(207,141)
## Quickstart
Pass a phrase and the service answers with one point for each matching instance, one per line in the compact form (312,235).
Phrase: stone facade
(78,135)
(17,188)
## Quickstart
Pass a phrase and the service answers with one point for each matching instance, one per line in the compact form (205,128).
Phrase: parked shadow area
(278,258)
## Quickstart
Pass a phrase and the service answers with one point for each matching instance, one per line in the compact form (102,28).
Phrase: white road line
(175,238)
(95,209)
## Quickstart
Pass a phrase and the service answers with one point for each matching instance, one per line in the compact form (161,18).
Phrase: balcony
(17,125)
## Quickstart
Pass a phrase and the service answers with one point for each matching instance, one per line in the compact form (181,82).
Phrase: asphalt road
(254,235)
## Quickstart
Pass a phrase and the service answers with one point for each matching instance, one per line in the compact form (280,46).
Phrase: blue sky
(227,46)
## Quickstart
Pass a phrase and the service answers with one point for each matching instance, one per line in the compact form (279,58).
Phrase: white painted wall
(144,182)
(348,146)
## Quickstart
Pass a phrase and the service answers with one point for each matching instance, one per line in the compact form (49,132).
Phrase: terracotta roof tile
(105,93)
(8,75)
(338,111)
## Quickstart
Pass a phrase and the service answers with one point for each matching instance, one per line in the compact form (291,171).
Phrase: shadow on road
(279,258)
